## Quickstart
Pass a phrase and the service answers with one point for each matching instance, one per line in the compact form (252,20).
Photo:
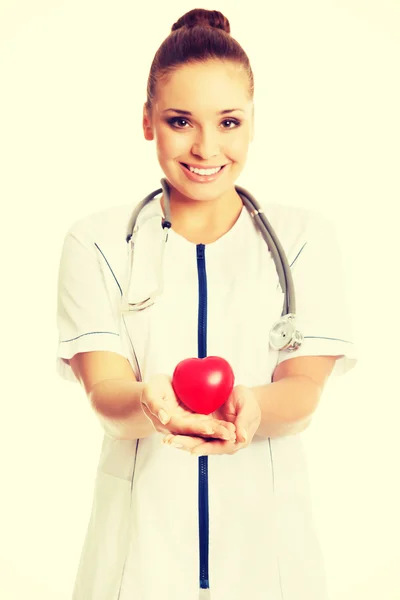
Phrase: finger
(242,434)
(224,429)
(207,424)
(155,406)
(182,442)
(198,447)
(192,424)
(214,447)
(158,426)
(189,442)
(201,447)
(247,414)
(223,432)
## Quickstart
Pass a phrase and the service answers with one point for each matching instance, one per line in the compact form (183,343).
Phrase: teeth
(204,171)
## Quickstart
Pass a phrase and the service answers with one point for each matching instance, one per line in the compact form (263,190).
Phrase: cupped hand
(241,410)
(168,415)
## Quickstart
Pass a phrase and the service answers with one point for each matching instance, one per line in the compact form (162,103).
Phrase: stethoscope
(283,335)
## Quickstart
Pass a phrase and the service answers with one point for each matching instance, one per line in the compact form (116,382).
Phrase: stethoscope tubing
(265,228)
(275,247)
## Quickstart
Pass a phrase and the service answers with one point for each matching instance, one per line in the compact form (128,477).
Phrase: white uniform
(142,541)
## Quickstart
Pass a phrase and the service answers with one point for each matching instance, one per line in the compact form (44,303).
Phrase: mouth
(202,178)
(188,166)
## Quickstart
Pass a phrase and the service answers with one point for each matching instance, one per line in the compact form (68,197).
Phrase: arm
(128,409)
(287,404)
(113,392)
(91,346)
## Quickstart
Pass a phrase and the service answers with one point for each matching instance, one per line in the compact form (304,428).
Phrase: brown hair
(198,36)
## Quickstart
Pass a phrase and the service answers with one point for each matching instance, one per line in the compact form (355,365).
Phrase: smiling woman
(237,523)
(202,136)
(201,82)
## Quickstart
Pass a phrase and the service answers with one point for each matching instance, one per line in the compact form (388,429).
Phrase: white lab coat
(142,538)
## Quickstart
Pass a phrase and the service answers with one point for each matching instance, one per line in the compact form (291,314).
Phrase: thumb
(154,397)
(246,414)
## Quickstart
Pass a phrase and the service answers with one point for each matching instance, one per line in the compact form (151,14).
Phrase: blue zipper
(203,460)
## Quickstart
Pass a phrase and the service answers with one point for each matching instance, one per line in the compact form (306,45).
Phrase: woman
(143,537)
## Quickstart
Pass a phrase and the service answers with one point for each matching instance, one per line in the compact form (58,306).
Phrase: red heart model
(203,384)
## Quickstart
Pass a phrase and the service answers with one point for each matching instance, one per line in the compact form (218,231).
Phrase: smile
(202,175)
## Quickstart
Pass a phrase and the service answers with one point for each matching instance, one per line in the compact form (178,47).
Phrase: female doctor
(146,539)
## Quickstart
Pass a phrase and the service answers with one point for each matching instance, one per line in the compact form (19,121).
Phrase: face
(206,137)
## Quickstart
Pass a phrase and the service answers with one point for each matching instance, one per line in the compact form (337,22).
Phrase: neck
(203,221)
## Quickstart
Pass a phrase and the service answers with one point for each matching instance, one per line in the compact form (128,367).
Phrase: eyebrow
(187,112)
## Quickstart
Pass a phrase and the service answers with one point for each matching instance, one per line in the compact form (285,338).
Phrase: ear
(147,125)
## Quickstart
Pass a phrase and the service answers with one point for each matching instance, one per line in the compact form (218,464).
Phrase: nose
(206,144)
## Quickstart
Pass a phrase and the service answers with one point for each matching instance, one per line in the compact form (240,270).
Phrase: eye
(174,120)
(234,121)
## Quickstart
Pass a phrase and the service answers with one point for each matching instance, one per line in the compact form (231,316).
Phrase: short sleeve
(323,312)
(86,318)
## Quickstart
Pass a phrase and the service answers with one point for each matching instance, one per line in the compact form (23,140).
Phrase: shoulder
(293,220)
(286,218)
(106,224)
(110,225)
(295,226)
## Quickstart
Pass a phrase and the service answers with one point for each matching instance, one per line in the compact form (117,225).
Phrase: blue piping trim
(203,460)
(300,251)
(317,337)
(108,265)
(90,333)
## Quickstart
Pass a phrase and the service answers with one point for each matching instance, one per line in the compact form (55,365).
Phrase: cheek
(237,147)
(171,145)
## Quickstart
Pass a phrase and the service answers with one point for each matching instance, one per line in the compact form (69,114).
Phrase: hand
(168,415)
(242,410)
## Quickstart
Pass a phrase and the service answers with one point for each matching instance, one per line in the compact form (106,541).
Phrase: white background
(73,80)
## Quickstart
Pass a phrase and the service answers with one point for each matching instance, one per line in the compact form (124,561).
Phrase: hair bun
(203,18)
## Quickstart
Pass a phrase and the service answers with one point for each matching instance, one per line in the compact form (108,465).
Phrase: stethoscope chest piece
(284,335)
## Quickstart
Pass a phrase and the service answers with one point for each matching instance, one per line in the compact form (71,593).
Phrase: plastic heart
(203,384)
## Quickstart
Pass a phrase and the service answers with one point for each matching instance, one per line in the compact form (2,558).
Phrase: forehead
(201,85)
